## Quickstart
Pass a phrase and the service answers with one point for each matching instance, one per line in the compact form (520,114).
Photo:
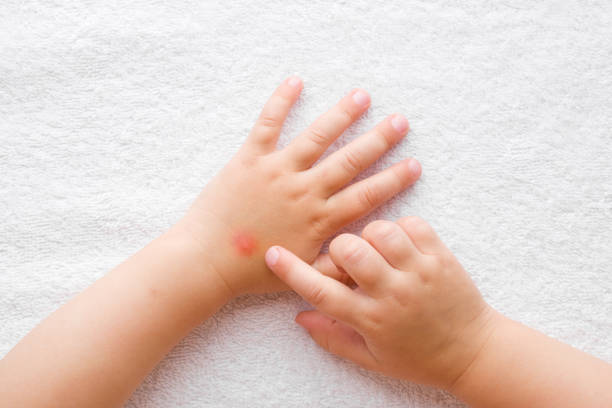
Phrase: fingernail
(399,123)
(272,255)
(294,82)
(361,98)
(414,167)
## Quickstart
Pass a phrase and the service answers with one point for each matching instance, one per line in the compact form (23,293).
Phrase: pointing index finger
(326,294)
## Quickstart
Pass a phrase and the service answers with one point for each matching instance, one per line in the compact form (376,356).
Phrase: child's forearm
(520,367)
(98,347)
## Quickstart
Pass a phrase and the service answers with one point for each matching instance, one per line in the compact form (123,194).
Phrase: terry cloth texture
(113,115)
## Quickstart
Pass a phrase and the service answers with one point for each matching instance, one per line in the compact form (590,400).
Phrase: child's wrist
(471,379)
(213,247)
(235,253)
(200,262)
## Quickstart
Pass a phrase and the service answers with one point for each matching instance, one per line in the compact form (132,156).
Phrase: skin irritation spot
(244,243)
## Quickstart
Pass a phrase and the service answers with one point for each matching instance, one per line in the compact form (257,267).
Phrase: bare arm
(97,348)
(418,316)
(521,367)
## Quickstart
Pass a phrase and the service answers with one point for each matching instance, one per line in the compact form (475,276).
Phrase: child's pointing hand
(416,315)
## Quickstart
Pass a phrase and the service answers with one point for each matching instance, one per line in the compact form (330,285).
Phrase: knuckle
(416,224)
(379,229)
(352,163)
(447,262)
(347,248)
(404,288)
(353,252)
(336,244)
(271,173)
(387,138)
(345,115)
(426,275)
(368,197)
(294,193)
(284,98)
(317,295)
(320,226)
(268,121)
(402,178)
(431,268)
(373,320)
(317,136)
(423,232)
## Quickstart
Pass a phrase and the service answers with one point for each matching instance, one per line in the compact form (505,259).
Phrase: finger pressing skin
(327,267)
(345,164)
(329,296)
(357,200)
(336,337)
(392,242)
(266,131)
(422,234)
(366,266)
(306,149)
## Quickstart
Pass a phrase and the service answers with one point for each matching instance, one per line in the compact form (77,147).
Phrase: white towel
(113,116)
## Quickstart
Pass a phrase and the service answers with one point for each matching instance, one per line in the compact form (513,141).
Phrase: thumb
(337,338)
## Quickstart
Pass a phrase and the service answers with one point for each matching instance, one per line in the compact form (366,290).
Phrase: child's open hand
(416,313)
(265,196)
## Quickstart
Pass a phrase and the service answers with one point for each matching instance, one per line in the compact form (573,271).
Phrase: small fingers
(366,266)
(329,296)
(336,337)
(345,164)
(357,200)
(265,133)
(306,149)
(422,234)
(392,242)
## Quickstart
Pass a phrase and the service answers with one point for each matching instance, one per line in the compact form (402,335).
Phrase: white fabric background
(113,115)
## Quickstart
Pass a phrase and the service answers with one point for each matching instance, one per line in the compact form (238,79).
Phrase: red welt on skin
(244,243)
